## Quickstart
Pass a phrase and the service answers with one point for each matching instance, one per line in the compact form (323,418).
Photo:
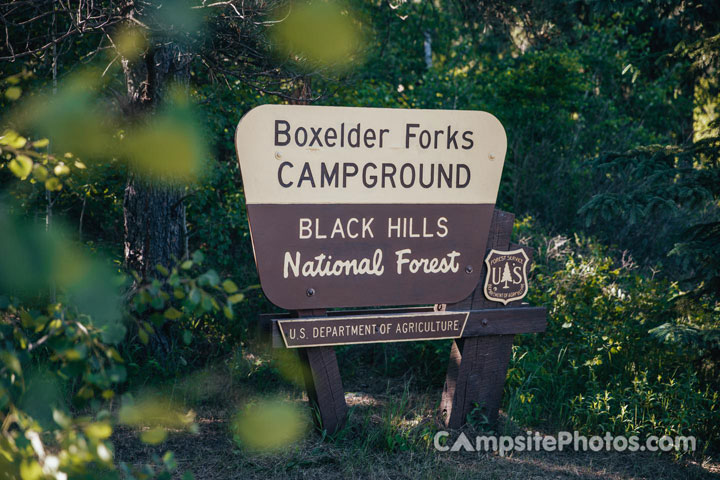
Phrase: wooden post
(478,365)
(478,360)
(323,383)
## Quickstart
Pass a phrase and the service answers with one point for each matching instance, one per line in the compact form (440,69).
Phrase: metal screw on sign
(469,269)
(310,292)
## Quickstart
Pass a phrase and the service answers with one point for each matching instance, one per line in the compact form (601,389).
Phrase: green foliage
(318,35)
(62,328)
(602,365)
(611,116)
(44,354)
(163,147)
(54,361)
(182,303)
(676,187)
(25,160)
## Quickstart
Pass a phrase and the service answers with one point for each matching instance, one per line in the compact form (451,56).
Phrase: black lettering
(297,136)
(451,138)
(346,172)
(329,176)
(279,132)
(280,179)
(409,135)
(429,139)
(382,132)
(402,175)
(437,134)
(315,137)
(442,174)
(466,136)
(369,138)
(356,131)
(306,175)
(388,175)
(366,176)
(329,137)
(457,175)
(432,176)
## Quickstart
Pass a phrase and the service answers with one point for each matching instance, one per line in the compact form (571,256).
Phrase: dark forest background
(125,257)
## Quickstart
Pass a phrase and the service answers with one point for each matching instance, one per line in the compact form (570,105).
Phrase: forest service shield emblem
(506,279)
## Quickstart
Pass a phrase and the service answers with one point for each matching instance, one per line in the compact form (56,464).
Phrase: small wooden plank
(264,317)
(495,321)
(355,329)
(323,383)
(506,321)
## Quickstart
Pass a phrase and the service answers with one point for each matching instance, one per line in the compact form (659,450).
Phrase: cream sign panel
(363,206)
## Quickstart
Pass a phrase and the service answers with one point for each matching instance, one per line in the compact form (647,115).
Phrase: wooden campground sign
(352,207)
(367,207)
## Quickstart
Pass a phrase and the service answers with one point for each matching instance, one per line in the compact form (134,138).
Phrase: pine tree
(506,276)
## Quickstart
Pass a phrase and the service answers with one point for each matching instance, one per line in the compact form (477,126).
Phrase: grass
(388,435)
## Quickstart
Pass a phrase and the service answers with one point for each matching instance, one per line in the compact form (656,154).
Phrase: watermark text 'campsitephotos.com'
(537,442)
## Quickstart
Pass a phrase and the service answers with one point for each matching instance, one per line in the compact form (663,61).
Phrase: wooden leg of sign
(476,376)
(478,365)
(323,383)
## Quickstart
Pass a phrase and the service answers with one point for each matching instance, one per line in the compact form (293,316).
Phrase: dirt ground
(367,447)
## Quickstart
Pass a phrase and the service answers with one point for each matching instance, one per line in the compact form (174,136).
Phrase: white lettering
(427,265)
(324,266)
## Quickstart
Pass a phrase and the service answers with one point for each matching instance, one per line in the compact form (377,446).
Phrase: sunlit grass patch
(269,424)
(154,416)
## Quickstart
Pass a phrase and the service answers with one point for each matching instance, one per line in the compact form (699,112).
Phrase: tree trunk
(154,216)
(154,211)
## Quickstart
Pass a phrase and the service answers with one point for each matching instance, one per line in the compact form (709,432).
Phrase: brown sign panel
(318,332)
(507,275)
(352,207)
